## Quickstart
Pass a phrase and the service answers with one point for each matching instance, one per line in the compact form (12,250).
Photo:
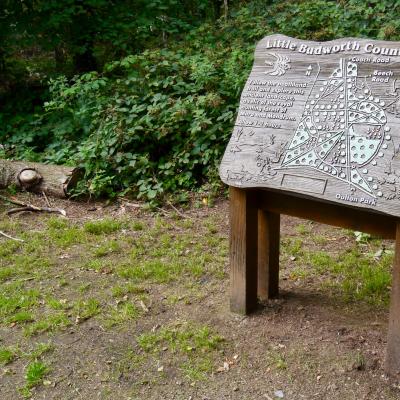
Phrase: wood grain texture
(380,225)
(393,344)
(326,126)
(54,180)
(243,250)
(268,254)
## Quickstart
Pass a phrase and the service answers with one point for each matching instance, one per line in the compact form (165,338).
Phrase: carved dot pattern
(338,142)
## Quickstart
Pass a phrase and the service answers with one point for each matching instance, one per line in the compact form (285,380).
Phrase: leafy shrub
(157,122)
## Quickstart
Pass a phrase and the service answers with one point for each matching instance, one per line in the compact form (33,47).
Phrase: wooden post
(243,250)
(268,254)
(393,344)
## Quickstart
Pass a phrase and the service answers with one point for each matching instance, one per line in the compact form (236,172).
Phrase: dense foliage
(143,94)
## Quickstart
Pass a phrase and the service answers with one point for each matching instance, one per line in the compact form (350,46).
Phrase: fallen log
(54,180)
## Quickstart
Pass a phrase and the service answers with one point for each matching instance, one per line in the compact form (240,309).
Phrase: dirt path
(117,303)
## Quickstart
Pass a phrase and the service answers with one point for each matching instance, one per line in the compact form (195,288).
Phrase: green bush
(157,122)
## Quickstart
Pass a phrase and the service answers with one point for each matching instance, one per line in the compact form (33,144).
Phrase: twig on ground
(30,207)
(10,237)
(17,210)
(133,205)
(47,200)
(177,211)
(10,200)
(165,212)
(144,307)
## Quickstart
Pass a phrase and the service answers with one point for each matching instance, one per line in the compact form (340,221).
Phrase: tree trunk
(54,180)
(60,58)
(226,9)
(85,61)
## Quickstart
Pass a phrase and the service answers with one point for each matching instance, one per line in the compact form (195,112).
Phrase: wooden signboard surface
(321,119)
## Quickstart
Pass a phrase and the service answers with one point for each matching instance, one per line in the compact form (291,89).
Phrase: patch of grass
(361,277)
(50,323)
(359,361)
(84,287)
(321,240)
(292,247)
(20,317)
(164,257)
(185,338)
(129,288)
(105,226)
(121,314)
(211,226)
(57,304)
(86,309)
(157,271)
(186,223)
(357,275)
(95,265)
(137,225)
(174,299)
(35,373)
(16,302)
(7,355)
(62,282)
(197,369)
(303,229)
(107,248)
(9,248)
(57,223)
(39,350)
(6,273)
(277,360)
(66,236)
(299,273)
(193,347)
(321,261)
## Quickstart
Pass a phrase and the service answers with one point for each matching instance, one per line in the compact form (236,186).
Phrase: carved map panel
(321,120)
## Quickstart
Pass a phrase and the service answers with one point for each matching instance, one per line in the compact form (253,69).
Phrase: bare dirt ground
(140,310)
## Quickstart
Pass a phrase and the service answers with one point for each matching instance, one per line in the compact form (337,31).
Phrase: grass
(53,281)
(85,309)
(68,272)
(40,350)
(35,374)
(195,346)
(303,229)
(49,323)
(102,227)
(354,271)
(7,355)
(110,247)
(155,254)
(16,301)
(120,314)
(126,289)
(277,360)
(357,275)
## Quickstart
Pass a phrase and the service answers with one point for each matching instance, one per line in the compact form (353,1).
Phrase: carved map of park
(321,120)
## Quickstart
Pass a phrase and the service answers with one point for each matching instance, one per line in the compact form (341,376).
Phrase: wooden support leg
(268,254)
(393,345)
(243,250)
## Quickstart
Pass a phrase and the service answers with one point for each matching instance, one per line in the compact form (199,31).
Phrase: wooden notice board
(321,120)
(317,136)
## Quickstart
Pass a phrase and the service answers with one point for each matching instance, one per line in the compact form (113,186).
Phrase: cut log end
(54,180)
(29,178)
